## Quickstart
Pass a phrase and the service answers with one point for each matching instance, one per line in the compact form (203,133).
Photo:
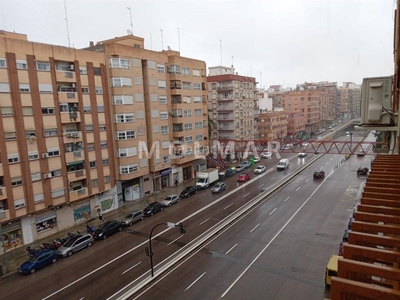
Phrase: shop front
(165,176)
(11,235)
(46,222)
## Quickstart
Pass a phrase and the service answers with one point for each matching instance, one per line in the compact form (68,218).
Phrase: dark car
(189,191)
(152,209)
(244,177)
(218,187)
(107,229)
(345,238)
(38,261)
(319,175)
(361,153)
(362,171)
(132,217)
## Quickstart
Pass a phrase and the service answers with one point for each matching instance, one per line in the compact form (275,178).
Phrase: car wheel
(69,253)
(33,271)
(161,208)
(54,260)
(195,192)
(130,223)
(119,229)
(170,204)
(141,219)
(104,237)
(89,244)
(151,213)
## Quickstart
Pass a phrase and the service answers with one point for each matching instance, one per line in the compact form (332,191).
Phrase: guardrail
(185,253)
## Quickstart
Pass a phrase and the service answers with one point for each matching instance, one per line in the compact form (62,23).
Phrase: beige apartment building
(231,103)
(81,131)
(349,99)
(272,125)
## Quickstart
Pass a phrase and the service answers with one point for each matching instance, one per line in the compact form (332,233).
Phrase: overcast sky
(277,41)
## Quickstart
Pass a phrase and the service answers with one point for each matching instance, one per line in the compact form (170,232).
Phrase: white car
(257,159)
(169,200)
(305,144)
(259,169)
(267,155)
(302,154)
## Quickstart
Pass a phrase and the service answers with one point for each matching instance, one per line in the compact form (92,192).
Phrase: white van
(283,164)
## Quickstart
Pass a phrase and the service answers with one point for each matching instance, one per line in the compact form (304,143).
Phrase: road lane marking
(230,249)
(195,281)
(272,211)
(307,179)
(228,206)
(286,199)
(261,185)
(175,240)
(272,178)
(298,188)
(246,195)
(327,162)
(131,268)
(255,227)
(331,158)
(320,168)
(204,221)
(275,236)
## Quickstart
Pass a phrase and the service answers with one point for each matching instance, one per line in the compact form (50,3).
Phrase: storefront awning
(74,163)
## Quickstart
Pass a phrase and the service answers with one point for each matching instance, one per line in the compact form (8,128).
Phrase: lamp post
(351,140)
(149,250)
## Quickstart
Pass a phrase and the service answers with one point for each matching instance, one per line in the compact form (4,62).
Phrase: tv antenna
(130,13)
(162,42)
(66,21)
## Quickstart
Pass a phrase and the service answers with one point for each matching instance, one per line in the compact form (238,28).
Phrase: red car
(244,177)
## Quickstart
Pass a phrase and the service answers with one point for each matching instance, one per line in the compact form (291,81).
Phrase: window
(174,69)
(162,84)
(188,139)
(151,64)
(164,130)
(188,126)
(137,63)
(125,135)
(82,70)
(42,66)
(156,128)
(18,203)
(141,130)
(45,88)
(121,81)
(107,179)
(187,99)
(96,71)
(123,99)
(164,115)
(137,80)
(166,159)
(21,64)
(87,108)
(4,87)
(204,123)
(89,128)
(197,112)
(85,90)
(103,145)
(139,97)
(38,198)
(57,193)
(92,164)
(10,135)
(199,137)
(186,85)
(124,118)
(27,110)
(140,114)
(154,113)
(99,90)
(127,169)
(198,125)
(64,107)
(196,86)
(187,113)
(165,144)
(185,71)
(196,99)
(162,99)
(196,73)
(36,176)
(100,108)
(50,132)
(160,68)
(94,182)
(105,162)
(143,162)
(53,152)
(3,63)
(102,127)
(153,97)
(126,152)
(120,63)
(16,181)
(152,81)
(90,147)
(33,155)
(13,158)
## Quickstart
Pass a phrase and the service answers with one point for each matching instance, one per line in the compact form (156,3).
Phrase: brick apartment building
(272,125)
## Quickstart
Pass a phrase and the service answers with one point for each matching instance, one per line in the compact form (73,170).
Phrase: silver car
(132,217)
(218,187)
(170,199)
(75,243)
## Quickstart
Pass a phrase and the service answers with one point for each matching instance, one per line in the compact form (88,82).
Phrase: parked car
(189,191)
(319,175)
(132,217)
(246,164)
(75,243)
(170,199)
(345,238)
(38,261)
(256,159)
(239,168)
(302,154)
(107,229)
(152,209)
(360,153)
(362,170)
(260,169)
(305,144)
(267,155)
(218,187)
(244,177)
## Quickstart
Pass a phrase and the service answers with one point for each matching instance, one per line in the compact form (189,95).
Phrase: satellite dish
(129,32)
(32,139)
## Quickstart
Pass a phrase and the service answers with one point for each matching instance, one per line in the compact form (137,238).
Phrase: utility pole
(130,12)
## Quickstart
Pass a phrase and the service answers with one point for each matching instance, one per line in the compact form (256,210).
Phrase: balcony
(175,84)
(3,194)
(78,194)
(65,76)
(226,117)
(72,137)
(76,175)
(71,117)
(226,127)
(68,96)
(177,127)
(228,87)
(222,108)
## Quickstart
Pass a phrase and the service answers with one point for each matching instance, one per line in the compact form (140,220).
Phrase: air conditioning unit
(71,67)
(45,155)
(48,175)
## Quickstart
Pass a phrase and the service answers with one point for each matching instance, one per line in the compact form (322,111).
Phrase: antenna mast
(220,48)
(179,41)
(130,13)
(151,43)
(66,21)
(162,42)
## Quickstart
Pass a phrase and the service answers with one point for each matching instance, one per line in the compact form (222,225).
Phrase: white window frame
(122,99)
(151,64)
(154,113)
(19,203)
(160,68)
(196,86)
(124,118)
(13,158)
(156,128)
(119,63)
(140,114)
(188,126)
(43,66)
(163,115)
(199,137)
(121,81)
(187,112)
(196,73)
(165,144)
(162,84)
(45,88)
(153,97)
(197,99)
(164,130)
(128,169)
(163,100)
(188,139)
(33,155)
(36,176)
(137,62)
(22,64)
(125,135)
(198,112)
(37,198)
(3,63)
(4,87)
(127,152)
(198,125)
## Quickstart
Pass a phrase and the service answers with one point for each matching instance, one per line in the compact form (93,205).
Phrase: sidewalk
(14,258)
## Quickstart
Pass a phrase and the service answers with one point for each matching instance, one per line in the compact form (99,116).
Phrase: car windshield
(71,241)
(168,198)
(242,175)
(129,216)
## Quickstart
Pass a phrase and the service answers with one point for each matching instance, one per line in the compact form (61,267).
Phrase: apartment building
(85,130)
(296,123)
(272,125)
(231,102)
(349,99)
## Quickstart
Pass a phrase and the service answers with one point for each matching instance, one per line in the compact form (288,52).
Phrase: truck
(207,177)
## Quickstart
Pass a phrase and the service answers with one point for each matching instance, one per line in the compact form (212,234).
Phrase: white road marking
(230,249)
(195,281)
(298,188)
(255,227)
(332,158)
(272,178)
(246,195)
(131,268)
(307,179)
(320,168)
(175,240)
(204,221)
(272,211)
(82,298)
(286,199)
(228,206)
(327,162)
(261,185)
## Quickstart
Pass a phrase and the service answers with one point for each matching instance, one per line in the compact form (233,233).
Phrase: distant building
(272,125)
(349,99)
(296,123)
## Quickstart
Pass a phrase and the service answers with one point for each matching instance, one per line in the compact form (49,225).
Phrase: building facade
(296,123)
(272,125)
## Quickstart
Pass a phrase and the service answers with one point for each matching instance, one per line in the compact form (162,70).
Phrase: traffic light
(147,251)
(181,228)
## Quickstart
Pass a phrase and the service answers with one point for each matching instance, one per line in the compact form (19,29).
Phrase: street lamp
(149,250)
